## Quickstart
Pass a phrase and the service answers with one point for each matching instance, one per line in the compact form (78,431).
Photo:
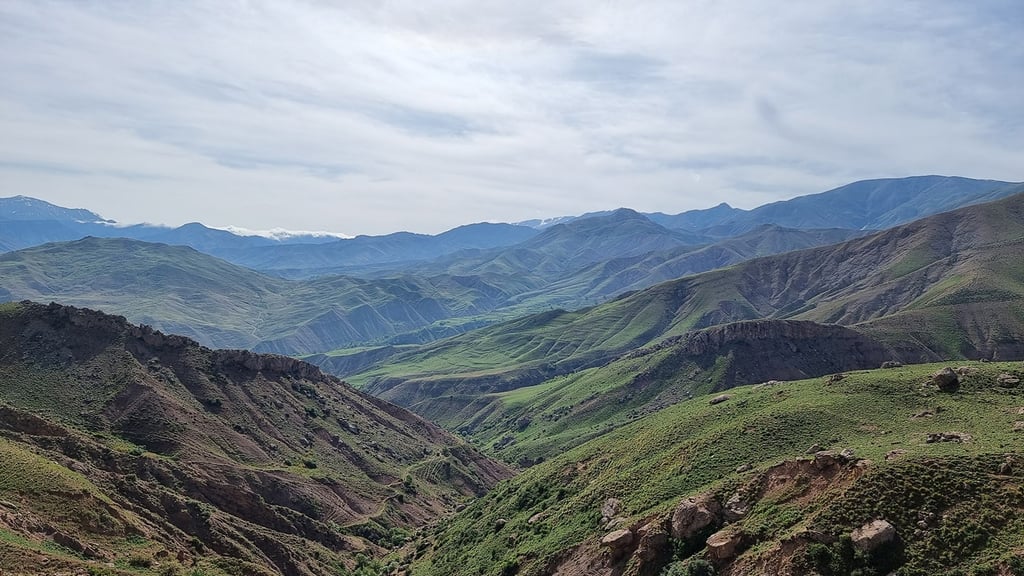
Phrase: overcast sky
(374,116)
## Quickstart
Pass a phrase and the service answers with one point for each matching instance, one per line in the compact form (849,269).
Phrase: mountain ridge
(210,454)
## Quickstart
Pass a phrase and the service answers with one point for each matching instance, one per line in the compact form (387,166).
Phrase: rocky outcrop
(725,544)
(221,445)
(618,540)
(872,535)
(946,380)
(694,515)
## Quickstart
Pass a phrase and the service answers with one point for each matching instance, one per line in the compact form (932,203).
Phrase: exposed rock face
(244,430)
(653,539)
(873,534)
(693,515)
(946,380)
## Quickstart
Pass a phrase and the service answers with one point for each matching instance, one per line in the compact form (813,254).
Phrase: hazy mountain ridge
(182,290)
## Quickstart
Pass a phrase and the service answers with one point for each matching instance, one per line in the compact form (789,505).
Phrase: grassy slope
(693,447)
(183,291)
(109,433)
(970,255)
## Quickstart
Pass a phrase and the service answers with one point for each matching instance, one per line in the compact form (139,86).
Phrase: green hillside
(180,290)
(122,445)
(955,504)
(952,273)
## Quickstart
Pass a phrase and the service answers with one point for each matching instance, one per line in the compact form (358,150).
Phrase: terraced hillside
(125,448)
(774,478)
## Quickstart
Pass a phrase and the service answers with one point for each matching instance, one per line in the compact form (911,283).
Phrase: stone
(744,468)
(653,540)
(946,380)
(847,454)
(611,507)
(719,399)
(838,377)
(1007,380)
(934,437)
(693,515)
(894,454)
(618,540)
(500,523)
(872,535)
(724,544)
(825,459)
(814,449)
(891,364)
(736,508)
(1018,426)
(1006,467)
(538,517)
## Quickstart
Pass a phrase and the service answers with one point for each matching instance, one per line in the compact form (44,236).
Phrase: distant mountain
(123,443)
(27,222)
(25,208)
(697,219)
(945,286)
(602,280)
(564,248)
(864,205)
(388,251)
(179,289)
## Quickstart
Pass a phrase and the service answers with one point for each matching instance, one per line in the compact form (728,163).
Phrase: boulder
(618,540)
(693,515)
(946,380)
(719,399)
(1018,426)
(934,437)
(538,517)
(894,454)
(825,459)
(873,534)
(653,541)
(891,364)
(736,508)
(1007,380)
(724,544)
(611,507)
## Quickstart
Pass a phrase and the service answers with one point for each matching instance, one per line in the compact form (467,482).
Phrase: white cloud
(371,117)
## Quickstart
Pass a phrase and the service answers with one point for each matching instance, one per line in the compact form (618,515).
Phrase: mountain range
(947,286)
(399,295)
(827,385)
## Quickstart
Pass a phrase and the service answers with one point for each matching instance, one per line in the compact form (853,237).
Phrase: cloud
(368,117)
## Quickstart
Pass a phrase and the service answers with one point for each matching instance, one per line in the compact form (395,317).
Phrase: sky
(368,117)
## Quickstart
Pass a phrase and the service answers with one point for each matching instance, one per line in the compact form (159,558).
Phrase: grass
(693,447)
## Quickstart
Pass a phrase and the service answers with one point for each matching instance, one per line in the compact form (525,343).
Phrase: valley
(720,391)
